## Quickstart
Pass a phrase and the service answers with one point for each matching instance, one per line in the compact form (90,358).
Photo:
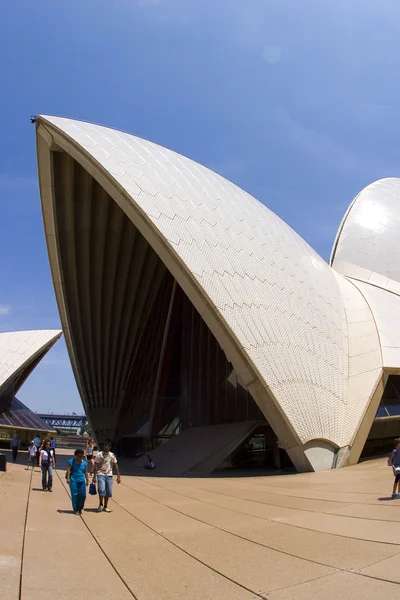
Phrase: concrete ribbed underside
(110,277)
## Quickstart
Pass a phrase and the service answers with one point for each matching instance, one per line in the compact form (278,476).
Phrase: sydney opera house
(189,307)
(20,353)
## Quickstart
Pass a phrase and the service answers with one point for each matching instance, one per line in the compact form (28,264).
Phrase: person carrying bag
(77,479)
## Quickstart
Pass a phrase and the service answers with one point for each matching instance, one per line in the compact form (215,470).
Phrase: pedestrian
(77,479)
(150,463)
(15,444)
(46,463)
(53,446)
(32,451)
(89,456)
(394,462)
(104,464)
(36,440)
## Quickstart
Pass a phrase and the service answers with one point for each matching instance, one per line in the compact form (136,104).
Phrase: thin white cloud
(4,309)
(272,54)
(317,144)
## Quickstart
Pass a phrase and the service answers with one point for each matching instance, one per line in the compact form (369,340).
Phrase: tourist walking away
(104,465)
(36,441)
(89,456)
(77,479)
(47,463)
(15,444)
(53,446)
(394,462)
(32,451)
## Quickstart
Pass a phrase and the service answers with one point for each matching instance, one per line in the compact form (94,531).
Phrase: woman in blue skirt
(77,479)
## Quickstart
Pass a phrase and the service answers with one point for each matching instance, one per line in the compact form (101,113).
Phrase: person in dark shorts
(89,456)
(32,451)
(394,462)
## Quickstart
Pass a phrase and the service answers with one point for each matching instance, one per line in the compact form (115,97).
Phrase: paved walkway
(332,535)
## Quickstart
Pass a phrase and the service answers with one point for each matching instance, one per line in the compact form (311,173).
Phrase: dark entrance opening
(197,386)
(386,426)
(259,451)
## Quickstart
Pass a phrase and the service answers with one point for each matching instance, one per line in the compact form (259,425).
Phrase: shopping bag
(92,489)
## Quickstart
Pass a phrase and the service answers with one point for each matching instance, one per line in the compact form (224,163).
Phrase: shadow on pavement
(386,499)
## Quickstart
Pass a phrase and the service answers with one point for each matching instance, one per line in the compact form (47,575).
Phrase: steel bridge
(64,421)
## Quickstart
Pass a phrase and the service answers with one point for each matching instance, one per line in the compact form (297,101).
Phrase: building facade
(186,302)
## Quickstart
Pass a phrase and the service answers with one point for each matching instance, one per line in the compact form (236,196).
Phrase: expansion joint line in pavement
(164,537)
(277,520)
(270,491)
(219,529)
(308,510)
(23,536)
(98,544)
(337,569)
(256,594)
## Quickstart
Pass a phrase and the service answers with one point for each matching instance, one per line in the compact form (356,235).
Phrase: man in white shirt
(104,464)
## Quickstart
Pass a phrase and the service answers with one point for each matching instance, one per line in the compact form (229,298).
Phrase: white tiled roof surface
(18,348)
(367,251)
(369,235)
(385,307)
(280,300)
(365,359)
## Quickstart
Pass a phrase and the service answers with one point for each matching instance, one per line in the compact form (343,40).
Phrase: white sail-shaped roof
(19,351)
(367,252)
(276,308)
(366,245)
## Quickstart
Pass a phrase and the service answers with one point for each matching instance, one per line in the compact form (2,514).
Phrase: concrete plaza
(333,535)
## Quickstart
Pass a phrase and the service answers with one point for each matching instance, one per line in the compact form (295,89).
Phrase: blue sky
(296,101)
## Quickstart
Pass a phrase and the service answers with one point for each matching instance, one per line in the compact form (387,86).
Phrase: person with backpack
(46,463)
(77,479)
(394,462)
